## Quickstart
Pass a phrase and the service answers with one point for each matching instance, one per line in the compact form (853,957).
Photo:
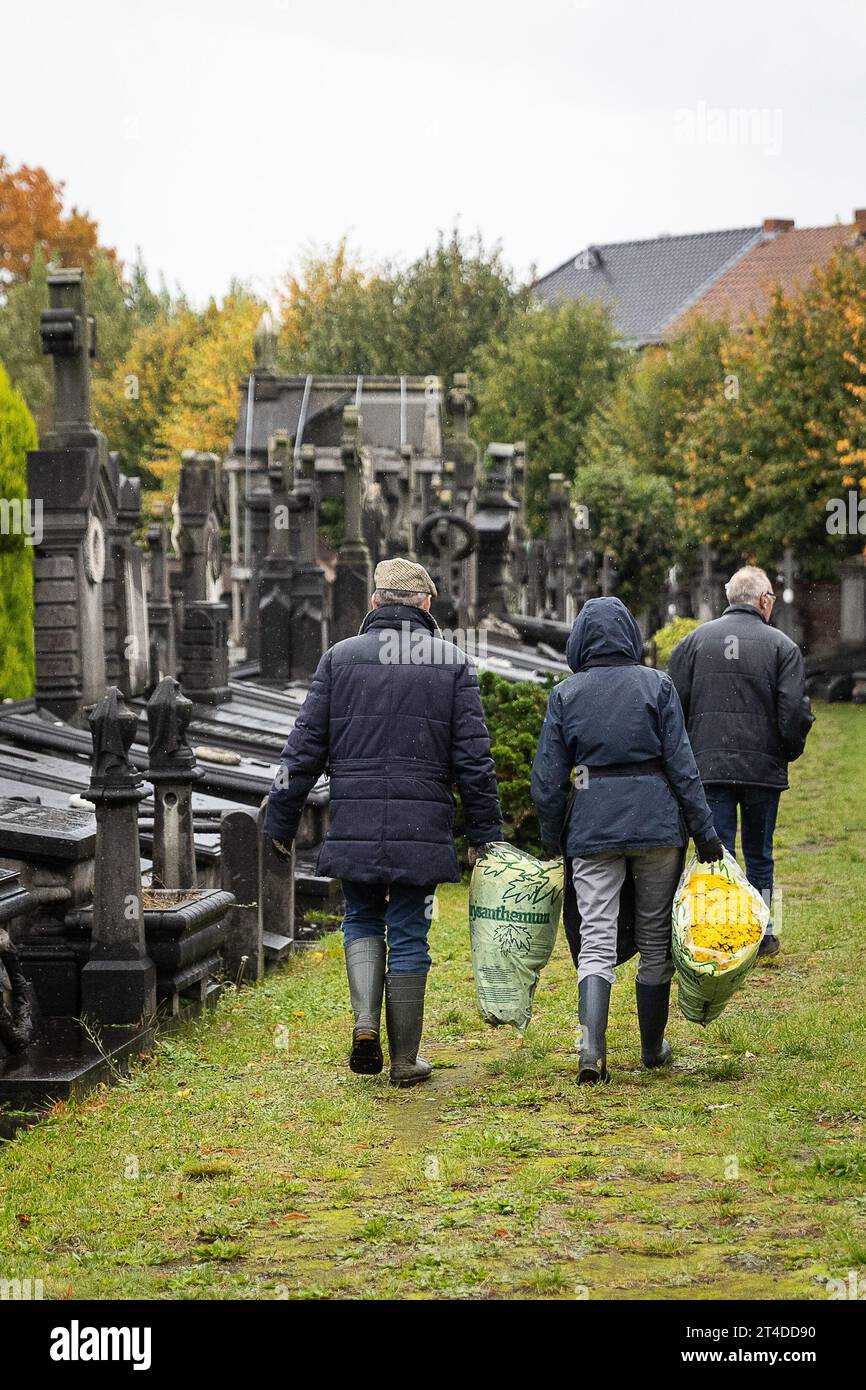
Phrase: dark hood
(604,628)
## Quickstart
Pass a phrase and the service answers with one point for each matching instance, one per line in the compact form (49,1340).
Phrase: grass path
(243,1159)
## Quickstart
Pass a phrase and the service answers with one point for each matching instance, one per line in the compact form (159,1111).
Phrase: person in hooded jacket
(636,796)
(395,716)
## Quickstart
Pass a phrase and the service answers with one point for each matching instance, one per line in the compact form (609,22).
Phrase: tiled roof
(787,259)
(648,284)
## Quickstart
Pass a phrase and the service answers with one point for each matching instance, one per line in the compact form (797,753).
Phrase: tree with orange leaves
(32,219)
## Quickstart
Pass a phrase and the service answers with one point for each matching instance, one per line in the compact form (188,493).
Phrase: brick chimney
(860,219)
(778,224)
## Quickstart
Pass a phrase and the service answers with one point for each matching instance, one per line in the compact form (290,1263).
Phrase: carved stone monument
(118,983)
(354,579)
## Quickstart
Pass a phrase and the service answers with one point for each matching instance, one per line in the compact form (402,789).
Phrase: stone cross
(172,770)
(118,983)
(74,487)
(68,333)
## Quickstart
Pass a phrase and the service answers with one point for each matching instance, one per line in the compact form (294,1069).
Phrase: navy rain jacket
(613,711)
(394,715)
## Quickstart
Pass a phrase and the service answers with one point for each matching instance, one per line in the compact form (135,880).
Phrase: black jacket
(741,687)
(615,711)
(395,716)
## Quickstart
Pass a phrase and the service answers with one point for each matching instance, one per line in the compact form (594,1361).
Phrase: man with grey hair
(395,716)
(740,683)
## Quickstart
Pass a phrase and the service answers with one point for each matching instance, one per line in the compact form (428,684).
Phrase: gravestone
(125,613)
(493,517)
(71,480)
(353,583)
(243,949)
(277,568)
(172,771)
(160,613)
(118,983)
(310,615)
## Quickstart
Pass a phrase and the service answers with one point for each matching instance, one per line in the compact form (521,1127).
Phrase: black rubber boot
(593,994)
(653,1003)
(404,1017)
(365,967)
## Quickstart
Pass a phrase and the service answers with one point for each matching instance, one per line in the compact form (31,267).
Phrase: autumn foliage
(33,219)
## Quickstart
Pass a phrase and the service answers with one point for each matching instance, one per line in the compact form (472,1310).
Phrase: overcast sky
(222,136)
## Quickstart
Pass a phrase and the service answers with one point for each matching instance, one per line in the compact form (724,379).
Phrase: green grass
(233,1165)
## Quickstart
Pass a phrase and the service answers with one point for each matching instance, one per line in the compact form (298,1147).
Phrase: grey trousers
(597,884)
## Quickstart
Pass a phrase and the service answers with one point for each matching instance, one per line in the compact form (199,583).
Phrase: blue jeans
(758,807)
(398,911)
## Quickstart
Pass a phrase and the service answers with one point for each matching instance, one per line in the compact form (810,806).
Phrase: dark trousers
(397,911)
(758,807)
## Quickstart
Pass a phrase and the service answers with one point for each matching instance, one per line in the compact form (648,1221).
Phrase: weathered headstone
(277,568)
(354,578)
(160,613)
(493,517)
(243,950)
(70,484)
(118,983)
(172,771)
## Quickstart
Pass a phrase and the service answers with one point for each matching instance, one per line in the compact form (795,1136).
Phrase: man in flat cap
(395,716)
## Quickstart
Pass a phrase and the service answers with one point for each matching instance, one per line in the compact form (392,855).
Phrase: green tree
(767,451)
(451,301)
(632,516)
(542,380)
(17,435)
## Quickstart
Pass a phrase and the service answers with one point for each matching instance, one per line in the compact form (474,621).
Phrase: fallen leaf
(22,1218)
(296,1216)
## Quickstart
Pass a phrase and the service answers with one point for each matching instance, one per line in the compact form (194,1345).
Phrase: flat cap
(403,577)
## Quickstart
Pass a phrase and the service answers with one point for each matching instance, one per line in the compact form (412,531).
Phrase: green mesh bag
(705,986)
(515,903)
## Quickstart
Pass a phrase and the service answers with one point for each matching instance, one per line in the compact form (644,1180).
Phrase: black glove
(708,851)
(477,852)
(551,851)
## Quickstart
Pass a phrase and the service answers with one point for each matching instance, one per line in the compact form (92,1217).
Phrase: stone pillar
(160,614)
(70,483)
(118,983)
(786,612)
(852,603)
(172,771)
(461,449)
(277,568)
(493,518)
(127,639)
(243,951)
(309,596)
(354,579)
(558,532)
(200,542)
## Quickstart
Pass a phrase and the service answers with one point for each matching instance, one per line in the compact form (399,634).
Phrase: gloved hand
(477,852)
(551,851)
(283,850)
(708,851)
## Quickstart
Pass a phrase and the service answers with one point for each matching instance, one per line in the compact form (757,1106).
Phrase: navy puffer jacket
(394,715)
(741,686)
(614,711)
